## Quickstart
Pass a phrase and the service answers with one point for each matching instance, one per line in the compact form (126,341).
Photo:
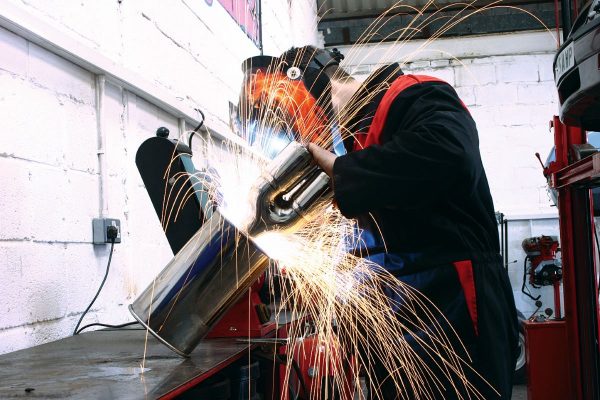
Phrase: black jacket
(424,184)
(424,190)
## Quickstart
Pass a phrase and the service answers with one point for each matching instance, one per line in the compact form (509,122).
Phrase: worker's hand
(323,158)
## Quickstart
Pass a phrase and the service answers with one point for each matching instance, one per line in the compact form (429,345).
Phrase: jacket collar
(363,106)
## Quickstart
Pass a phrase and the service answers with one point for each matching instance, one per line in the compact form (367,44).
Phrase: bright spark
(342,293)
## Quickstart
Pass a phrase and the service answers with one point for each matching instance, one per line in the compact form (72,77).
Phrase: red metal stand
(248,318)
(580,287)
(243,320)
(547,360)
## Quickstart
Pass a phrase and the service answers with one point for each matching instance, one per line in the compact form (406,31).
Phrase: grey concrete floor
(519,392)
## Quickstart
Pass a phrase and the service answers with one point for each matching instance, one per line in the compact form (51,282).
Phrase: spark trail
(357,309)
(352,318)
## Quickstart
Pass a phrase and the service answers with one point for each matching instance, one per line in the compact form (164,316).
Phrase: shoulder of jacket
(417,79)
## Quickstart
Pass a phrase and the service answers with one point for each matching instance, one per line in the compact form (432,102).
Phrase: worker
(410,172)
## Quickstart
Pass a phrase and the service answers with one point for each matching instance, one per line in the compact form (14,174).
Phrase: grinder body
(221,261)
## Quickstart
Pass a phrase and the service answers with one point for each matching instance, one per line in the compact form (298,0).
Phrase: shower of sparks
(348,299)
(340,295)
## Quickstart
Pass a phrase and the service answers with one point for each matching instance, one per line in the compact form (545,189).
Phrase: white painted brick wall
(447,74)
(534,93)
(545,71)
(475,75)
(467,95)
(48,149)
(14,53)
(520,70)
(59,76)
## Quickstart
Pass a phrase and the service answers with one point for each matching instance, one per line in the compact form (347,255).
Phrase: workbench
(107,364)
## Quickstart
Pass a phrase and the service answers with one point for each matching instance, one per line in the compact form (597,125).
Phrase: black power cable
(196,129)
(111,233)
(528,292)
(597,246)
(108,326)
(277,359)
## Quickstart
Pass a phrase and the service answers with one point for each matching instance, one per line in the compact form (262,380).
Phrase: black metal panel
(172,183)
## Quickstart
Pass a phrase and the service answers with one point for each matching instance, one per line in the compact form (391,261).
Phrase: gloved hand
(323,158)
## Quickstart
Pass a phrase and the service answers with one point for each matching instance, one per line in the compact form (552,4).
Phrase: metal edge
(156,335)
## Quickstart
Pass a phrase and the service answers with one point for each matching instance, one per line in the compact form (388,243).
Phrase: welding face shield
(280,103)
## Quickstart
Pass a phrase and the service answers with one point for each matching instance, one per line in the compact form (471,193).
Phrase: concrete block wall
(48,151)
(190,48)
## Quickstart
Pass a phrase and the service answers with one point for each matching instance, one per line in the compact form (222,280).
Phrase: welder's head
(287,98)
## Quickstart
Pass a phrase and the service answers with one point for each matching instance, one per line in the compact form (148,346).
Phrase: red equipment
(315,375)
(249,317)
(573,175)
(544,365)
(573,180)
(544,268)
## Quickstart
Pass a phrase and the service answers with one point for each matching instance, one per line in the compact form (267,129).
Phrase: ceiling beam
(433,24)
(339,10)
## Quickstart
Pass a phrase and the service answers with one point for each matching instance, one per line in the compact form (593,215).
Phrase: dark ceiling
(351,21)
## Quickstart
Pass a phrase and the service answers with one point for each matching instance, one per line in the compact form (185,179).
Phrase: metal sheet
(107,365)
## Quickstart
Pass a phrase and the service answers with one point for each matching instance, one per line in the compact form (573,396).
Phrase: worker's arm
(323,158)
(430,151)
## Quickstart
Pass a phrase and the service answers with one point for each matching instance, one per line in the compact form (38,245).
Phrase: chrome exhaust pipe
(221,261)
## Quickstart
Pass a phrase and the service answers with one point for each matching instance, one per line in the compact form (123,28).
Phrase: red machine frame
(580,286)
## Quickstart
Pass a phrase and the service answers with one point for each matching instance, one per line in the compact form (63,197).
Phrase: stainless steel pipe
(220,262)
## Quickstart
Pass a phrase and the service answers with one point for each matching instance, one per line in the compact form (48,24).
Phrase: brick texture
(49,146)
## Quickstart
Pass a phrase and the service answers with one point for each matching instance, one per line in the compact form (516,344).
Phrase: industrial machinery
(220,262)
(235,349)
(572,369)
(211,288)
(541,264)
(541,267)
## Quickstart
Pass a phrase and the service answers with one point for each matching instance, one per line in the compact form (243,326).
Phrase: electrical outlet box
(100,230)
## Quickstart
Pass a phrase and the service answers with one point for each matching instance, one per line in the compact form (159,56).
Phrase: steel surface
(106,365)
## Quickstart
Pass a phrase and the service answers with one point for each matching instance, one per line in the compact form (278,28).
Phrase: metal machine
(220,262)
(542,266)
(211,288)
(234,349)
(572,369)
